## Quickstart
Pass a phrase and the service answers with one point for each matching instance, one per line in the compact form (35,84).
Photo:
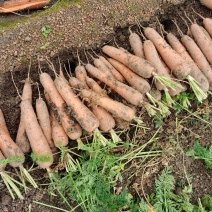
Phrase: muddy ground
(91,24)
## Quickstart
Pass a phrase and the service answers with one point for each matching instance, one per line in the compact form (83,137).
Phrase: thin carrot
(3,123)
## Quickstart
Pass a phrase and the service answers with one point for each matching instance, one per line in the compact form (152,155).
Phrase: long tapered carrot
(180,49)
(139,65)
(72,129)
(199,59)
(130,94)
(81,113)
(201,39)
(38,142)
(117,109)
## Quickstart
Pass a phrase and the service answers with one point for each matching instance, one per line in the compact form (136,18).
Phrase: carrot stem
(200,94)
(115,137)
(168,99)
(100,137)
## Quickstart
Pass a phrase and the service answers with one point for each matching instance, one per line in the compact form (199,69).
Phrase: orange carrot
(3,123)
(136,44)
(132,78)
(38,142)
(72,129)
(180,49)
(117,109)
(201,39)
(199,59)
(139,65)
(130,94)
(21,137)
(81,113)
(114,72)
(207,3)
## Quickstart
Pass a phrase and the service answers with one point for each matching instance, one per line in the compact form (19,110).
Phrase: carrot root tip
(200,94)
(115,138)
(11,185)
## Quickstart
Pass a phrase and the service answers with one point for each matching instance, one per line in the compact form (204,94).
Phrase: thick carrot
(81,73)
(38,142)
(139,65)
(136,44)
(207,3)
(117,109)
(131,77)
(72,129)
(180,49)
(10,149)
(114,72)
(59,135)
(201,39)
(81,113)
(198,58)
(21,137)
(130,94)
(206,33)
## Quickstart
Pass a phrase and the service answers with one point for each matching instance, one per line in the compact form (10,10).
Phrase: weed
(200,152)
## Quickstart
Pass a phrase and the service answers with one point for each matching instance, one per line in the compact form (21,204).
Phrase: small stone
(122,38)
(27,39)
(15,53)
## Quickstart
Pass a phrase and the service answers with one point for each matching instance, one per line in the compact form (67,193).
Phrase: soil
(77,27)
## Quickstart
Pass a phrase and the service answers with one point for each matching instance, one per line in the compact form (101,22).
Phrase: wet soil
(74,33)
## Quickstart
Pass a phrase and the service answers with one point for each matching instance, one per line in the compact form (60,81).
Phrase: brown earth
(78,27)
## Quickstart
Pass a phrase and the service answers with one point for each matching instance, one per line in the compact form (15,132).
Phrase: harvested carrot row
(72,129)
(180,49)
(177,64)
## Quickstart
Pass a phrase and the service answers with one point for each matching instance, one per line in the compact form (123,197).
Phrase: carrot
(72,129)
(139,65)
(177,64)
(21,137)
(3,123)
(117,109)
(132,78)
(199,59)
(38,142)
(59,136)
(44,120)
(201,39)
(81,113)
(206,33)
(136,44)
(81,73)
(207,3)
(180,49)
(114,72)
(130,94)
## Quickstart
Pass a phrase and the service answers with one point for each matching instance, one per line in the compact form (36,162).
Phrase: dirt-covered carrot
(130,94)
(21,137)
(180,49)
(207,3)
(72,129)
(114,72)
(177,64)
(202,41)
(117,109)
(59,135)
(3,123)
(44,120)
(136,44)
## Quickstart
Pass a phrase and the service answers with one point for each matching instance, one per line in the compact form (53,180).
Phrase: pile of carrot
(82,102)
